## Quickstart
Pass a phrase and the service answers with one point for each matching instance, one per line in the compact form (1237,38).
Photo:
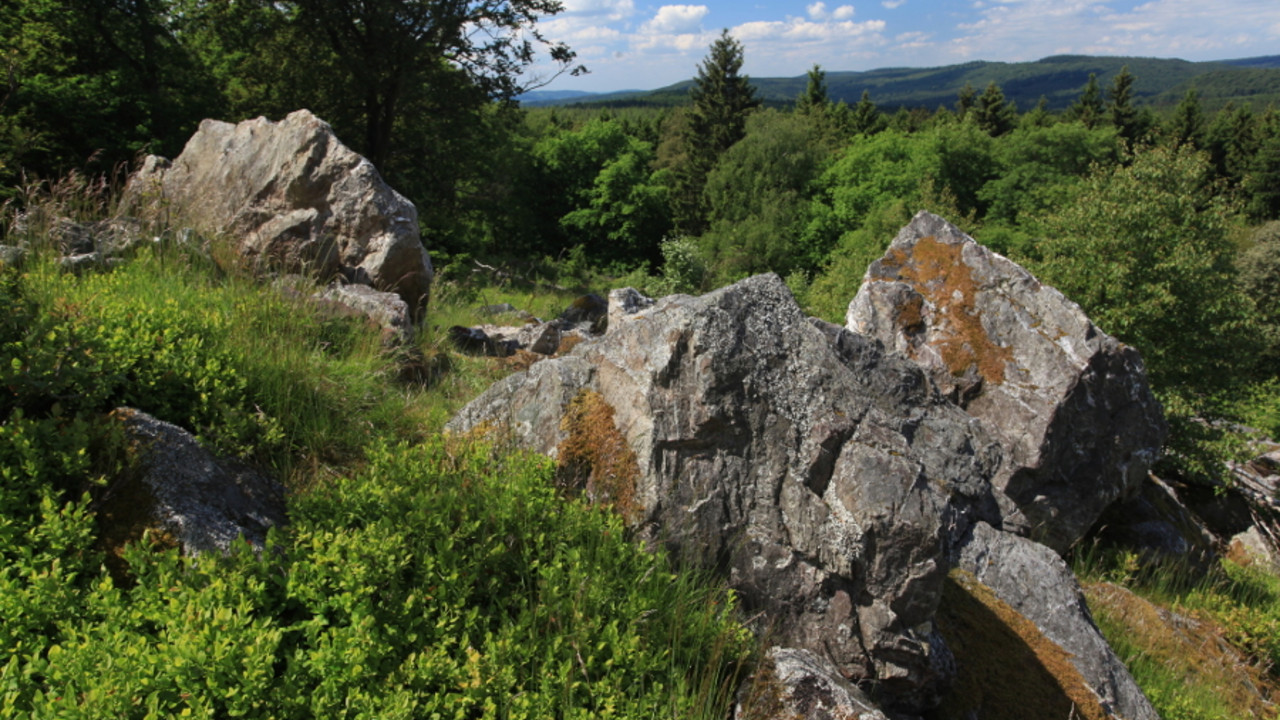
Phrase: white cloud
(893,4)
(611,9)
(818,11)
(1191,29)
(676,19)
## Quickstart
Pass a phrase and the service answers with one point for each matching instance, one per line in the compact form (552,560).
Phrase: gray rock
(11,255)
(293,198)
(107,237)
(204,502)
(1070,403)
(795,684)
(587,313)
(825,477)
(1156,523)
(387,310)
(625,303)
(1033,580)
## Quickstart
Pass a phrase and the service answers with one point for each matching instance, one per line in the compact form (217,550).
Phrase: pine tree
(1186,127)
(722,99)
(993,114)
(1089,108)
(1124,116)
(865,117)
(814,98)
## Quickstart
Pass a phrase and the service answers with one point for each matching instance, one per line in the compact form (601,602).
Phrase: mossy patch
(1007,667)
(596,458)
(938,272)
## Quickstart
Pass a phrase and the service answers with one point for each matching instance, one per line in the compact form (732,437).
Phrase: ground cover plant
(419,576)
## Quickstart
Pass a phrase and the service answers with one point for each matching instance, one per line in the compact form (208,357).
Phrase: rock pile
(836,483)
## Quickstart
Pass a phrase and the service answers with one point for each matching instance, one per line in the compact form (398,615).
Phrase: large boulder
(1069,403)
(826,478)
(293,197)
(184,494)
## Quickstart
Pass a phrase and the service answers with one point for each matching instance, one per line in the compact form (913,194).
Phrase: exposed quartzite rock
(1034,581)
(826,477)
(388,310)
(294,197)
(800,685)
(202,501)
(1070,403)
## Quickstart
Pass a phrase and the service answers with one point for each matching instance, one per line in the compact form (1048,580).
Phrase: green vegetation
(1203,646)
(419,575)
(422,571)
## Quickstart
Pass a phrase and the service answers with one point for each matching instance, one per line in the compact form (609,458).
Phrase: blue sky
(634,44)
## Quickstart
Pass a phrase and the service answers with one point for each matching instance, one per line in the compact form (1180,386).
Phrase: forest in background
(1156,222)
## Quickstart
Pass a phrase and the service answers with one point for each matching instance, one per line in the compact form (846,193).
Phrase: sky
(638,45)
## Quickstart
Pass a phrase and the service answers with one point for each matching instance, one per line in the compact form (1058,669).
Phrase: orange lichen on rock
(595,457)
(1007,667)
(938,272)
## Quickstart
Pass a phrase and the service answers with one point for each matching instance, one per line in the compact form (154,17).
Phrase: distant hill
(1059,79)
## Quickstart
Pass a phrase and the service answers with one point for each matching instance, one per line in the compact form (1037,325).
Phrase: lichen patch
(594,456)
(938,272)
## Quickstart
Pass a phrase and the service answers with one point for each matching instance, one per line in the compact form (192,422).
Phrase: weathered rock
(625,303)
(293,197)
(475,341)
(387,310)
(1069,402)
(795,684)
(201,501)
(1035,582)
(587,313)
(824,476)
(1156,523)
(11,255)
(106,237)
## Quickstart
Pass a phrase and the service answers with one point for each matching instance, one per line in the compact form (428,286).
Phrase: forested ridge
(1158,211)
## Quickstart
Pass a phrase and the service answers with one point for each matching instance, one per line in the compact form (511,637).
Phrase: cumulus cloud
(893,4)
(818,11)
(1192,29)
(675,20)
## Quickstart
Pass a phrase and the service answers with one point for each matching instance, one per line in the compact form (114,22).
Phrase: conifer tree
(1186,127)
(722,98)
(865,116)
(993,114)
(1089,108)
(1124,116)
(814,98)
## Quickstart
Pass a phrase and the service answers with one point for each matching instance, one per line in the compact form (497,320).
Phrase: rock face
(825,477)
(1035,582)
(1069,403)
(293,197)
(202,502)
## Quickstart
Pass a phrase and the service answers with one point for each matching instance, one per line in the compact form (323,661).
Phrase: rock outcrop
(292,197)
(826,478)
(199,501)
(1070,403)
